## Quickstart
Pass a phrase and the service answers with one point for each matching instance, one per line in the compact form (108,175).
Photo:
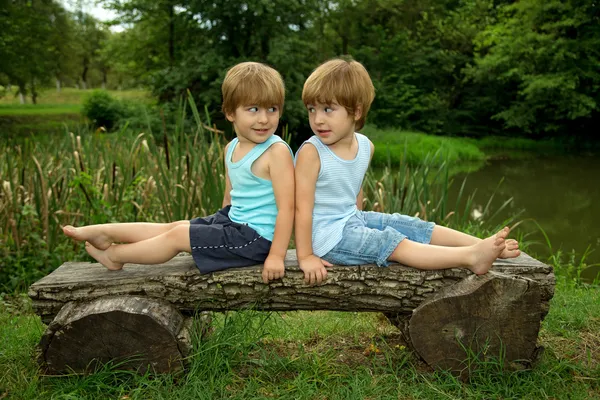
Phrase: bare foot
(90,234)
(486,252)
(511,250)
(102,257)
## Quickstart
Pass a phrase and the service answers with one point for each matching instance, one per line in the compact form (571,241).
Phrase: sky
(97,11)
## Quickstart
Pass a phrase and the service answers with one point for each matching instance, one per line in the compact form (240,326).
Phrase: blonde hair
(252,83)
(346,82)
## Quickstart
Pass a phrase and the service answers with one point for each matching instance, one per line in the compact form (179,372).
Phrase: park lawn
(464,154)
(71,96)
(54,112)
(319,355)
(394,146)
(38,109)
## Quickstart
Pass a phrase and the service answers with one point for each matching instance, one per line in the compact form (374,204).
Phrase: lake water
(561,193)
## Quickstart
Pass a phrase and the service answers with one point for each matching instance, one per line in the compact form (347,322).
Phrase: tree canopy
(454,67)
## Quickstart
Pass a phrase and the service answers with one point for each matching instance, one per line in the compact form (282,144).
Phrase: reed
(87,177)
(91,178)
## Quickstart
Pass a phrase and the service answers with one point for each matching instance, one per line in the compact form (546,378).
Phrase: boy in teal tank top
(256,221)
(331,227)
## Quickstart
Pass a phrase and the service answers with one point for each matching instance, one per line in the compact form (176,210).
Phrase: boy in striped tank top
(256,221)
(330,168)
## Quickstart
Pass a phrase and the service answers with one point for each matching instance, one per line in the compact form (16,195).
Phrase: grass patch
(71,96)
(54,112)
(318,355)
(28,124)
(39,109)
(393,147)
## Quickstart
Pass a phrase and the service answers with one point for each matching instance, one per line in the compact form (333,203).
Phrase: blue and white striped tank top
(338,184)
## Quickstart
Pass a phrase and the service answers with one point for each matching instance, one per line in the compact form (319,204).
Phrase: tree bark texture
(393,290)
(447,316)
(488,317)
(132,332)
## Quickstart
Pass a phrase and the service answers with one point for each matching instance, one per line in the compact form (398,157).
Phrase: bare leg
(103,235)
(477,257)
(155,250)
(442,236)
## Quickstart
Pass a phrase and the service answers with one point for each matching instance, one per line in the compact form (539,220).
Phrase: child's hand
(273,268)
(314,269)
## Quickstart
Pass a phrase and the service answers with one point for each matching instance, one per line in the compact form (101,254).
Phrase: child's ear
(357,112)
(230,117)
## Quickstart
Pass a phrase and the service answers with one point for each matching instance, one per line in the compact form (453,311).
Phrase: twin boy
(265,194)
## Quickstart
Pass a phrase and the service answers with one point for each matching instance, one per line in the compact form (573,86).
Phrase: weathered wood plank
(396,289)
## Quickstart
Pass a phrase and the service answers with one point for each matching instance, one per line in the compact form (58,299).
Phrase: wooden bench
(141,314)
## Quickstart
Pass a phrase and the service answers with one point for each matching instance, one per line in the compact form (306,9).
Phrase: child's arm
(360,197)
(359,200)
(227,194)
(307,171)
(281,171)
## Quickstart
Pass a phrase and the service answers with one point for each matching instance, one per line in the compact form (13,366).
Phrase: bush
(103,110)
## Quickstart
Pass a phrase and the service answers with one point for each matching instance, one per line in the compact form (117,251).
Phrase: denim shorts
(219,243)
(371,237)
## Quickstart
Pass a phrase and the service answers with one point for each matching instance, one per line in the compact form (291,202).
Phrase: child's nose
(262,117)
(318,117)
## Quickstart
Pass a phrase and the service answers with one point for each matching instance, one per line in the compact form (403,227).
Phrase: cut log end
(130,332)
(493,316)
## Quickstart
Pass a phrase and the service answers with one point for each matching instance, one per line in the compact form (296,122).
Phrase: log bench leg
(493,315)
(138,333)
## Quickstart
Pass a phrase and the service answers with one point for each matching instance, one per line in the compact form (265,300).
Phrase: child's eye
(310,109)
(253,109)
(328,109)
(273,109)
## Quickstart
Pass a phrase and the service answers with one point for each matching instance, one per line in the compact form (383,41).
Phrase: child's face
(254,123)
(331,122)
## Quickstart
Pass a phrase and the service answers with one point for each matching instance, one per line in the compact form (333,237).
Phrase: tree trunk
(107,315)
(136,333)
(84,73)
(395,289)
(171,34)
(34,93)
(58,85)
(492,317)
(104,77)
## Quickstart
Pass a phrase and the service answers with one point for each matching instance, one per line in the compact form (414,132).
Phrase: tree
(542,58)
(90,35)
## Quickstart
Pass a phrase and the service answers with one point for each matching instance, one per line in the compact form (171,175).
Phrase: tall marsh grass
(126,176)
(95,178)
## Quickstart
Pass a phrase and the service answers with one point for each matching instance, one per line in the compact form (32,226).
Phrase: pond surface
(561,193)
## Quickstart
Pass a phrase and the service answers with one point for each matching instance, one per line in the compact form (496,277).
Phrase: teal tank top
(252,198)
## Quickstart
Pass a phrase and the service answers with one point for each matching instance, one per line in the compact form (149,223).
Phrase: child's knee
(179,234)
(175,224)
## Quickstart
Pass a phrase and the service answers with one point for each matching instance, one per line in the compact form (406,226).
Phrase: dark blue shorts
(219,243)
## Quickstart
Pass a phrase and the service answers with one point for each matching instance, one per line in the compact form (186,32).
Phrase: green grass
(71,96)
(55,112)
(318,355)
(393,147)
(295,355)
(39,109)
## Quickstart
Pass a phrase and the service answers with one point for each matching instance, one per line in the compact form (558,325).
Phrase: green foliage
(542,57)
(449,67)
(307,355)
(97,178)
(102,109)
(393,147)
